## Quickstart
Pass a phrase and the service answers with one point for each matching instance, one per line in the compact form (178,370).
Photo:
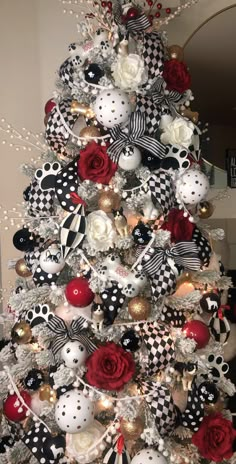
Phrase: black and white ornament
(74,412)
(66,185)
(194,412)
(51,260)
(210,301)
(113,299)
(74,354)
(142,234)
(192,187)
(41,277)
(130,341)
(208,392)
(148,456)
(54,447)
(46,448)
(23,240)
(34,379)
(130,158)
(112,107)
(172,316)
(39,314)
(93,73)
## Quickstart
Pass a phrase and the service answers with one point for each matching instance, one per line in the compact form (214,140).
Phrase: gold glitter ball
(21,269)
(108,201)
(132,430)
(21,333)
(139,308)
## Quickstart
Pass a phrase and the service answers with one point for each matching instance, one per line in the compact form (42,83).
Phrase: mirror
(209,53)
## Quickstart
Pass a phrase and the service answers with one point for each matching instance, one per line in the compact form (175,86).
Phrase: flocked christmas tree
(115,351)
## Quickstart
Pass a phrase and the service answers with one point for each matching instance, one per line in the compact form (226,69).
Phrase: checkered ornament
(153,54)
(72,230)
(162,191)
(146,105)
(40,201)
(159,345)
(60,120)
(162,406)
(66,72)
(32,257)
(219,328)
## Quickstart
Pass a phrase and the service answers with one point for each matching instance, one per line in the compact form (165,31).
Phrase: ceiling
(211,57)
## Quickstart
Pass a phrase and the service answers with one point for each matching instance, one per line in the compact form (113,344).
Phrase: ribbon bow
(63,334)
(134,135)
(133,25)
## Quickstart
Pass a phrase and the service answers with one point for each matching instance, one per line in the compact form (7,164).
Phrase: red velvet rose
(180,227)
(176,75)
(110,367)
(94,164)
(215,438)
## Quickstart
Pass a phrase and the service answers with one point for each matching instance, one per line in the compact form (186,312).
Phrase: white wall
(34,35)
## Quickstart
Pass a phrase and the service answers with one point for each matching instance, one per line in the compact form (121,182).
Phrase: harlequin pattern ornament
(139,308)
(21,333)
(21,269)
(198,331)
(78,292)
(13,409)
(130,341)
(112,107)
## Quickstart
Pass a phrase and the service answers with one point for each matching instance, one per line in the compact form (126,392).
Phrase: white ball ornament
(148,456)
(192,187)
(130,158)
(74,412)
(74,354)
(112,107)
(51,260)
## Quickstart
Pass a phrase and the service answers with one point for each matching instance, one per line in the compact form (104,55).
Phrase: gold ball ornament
(132,430)
(82,108)
(205,210)
(139,308)
(176,52)
(108,201)
(46,393)
(21,268)
(21,333)
(90,131)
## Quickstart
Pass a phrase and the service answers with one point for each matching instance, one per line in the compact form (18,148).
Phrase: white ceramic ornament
(148,456)
(74,412)
(130,158)
(192,187)
(112,107)
(51,260)
(74,354)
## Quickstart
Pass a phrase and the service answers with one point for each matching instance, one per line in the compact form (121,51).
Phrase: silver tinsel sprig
(215,234)
(118,181)
(185,346)
(25,301)
(28,170)
(88,191)
(143,173)
(128,409)
(47,228)
(56,295)
(43,358)
(150,434)
(162,238)
(211,278)
(49,156)
(63,376)
(186,302)
(42,333)
(123,243)
(226,386)
(96,284)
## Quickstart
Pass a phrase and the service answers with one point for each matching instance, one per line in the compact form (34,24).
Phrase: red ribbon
(221,309)
(76,199)
(120,444)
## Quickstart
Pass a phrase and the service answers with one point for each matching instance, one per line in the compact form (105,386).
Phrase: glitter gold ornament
(90,131)
(108,201)
(81,108)
(131,430)
(176,52)
(21,333)
(46,393)
(139,308)
(21,268)
(205,210)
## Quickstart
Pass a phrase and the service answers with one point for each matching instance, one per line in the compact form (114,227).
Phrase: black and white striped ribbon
(133,25)
(64,334)
(134,136)
(184,254)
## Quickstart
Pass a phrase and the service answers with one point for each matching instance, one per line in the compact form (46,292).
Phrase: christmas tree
(115,350)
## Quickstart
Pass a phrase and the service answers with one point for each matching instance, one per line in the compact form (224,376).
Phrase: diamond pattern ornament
(72,230)
(194,412)
(67,184)
(162,191)
(66,72)
(146,105)
(159,346)
(219,327)
(153,54)
(162,406)
(42,190)
(59,125)
(37,440)
(32,257)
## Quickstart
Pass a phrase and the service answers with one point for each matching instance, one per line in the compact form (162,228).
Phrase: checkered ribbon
(66,72)
(159,345)
(134,136)
(162,406)
(162,191)
(60,120)
(72,230)
(64,334)
(219,326)
(153,54)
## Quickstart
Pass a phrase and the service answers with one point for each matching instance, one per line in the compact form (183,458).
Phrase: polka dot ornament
(112,107)
(74,412)
(148,456)
(42,444)
(192,187)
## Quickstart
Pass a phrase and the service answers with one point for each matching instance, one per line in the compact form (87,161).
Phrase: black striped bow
(133,25)
(184,254)
(134,136)
(64,334)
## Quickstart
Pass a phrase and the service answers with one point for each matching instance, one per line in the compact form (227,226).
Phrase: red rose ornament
(215,438)
(94,164)
(176,76)
(110,367)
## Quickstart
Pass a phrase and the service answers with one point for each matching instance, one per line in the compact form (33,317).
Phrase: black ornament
(208,392)
(93,73)
(34,379)
(24,240)
(54,447)
(210,302)
(6,442)
(26,193)
(142,233)
(130,341)
(151,161)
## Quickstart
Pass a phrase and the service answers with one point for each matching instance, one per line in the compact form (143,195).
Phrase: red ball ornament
(104,4)
(157,14)
(159,6)
(168,10)
(198,331)
(132,13)
(78,293)
(13,409)
(49,106)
